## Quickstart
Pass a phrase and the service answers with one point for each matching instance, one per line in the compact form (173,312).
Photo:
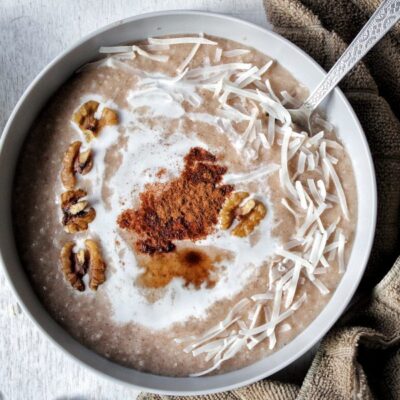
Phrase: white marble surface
(32,32)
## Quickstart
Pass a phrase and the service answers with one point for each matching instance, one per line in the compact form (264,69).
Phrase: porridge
(169,214)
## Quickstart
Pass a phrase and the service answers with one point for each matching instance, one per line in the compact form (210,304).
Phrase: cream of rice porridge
(169,214)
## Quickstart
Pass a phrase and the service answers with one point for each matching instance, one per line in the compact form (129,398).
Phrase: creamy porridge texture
(169,214)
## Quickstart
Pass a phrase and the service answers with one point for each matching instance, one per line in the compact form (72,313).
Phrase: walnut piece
(84,162)
(97,266)
(246,208)
(87,121)
(73,267)
(75,162)
(77,213)
(227,213)
(250,220)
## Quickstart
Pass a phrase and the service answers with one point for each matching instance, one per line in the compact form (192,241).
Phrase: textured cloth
(360,357)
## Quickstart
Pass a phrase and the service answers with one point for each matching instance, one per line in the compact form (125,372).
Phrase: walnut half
(250,220)
(97,267)
(75,265)
(77,213)
(249,215)
(86,119)
(74,162)
(227,213)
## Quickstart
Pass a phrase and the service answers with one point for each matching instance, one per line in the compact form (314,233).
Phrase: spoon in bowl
(386,15)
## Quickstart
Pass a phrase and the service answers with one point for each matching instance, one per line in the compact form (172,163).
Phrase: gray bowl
(306,71)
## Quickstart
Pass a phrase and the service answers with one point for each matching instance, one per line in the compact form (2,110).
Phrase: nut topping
(84,162)
(75,265)
(75,162)
(81,263)
(77,214)
(71,269)
(227,213)
(249,215)
(97,266)
(77,207)
(250,220)
(244,210)
(88,123)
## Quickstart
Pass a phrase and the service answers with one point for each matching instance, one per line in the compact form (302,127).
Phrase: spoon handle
(385,16)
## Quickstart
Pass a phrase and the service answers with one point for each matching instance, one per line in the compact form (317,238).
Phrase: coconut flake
(314,191)
(235,52)
(260,85)
(221,326)
(301,162)
(273,322)
(255,316)
(215,69)
(332,248)
(218,54)
(321,189)
(284,165)
(320,286)
(265,68)
(155,57)
(270,91)
(156,47)
(324,262)
(262,297)
(188,58)
(264,140)
(333,144)
(338,186)
(315,249)
(288,99)
(310,162)
(275,310)
(332,159)
(255,78)
(294,147)
(292,244)
(322,245)
(316,139)
(245,75)
(209,347)
(181,40)
(327,126)
(271,130)
(301,194)
(291,291)
(311,218)
(246,134)
(332,198)
(341,244)
(295,257)
(218,87)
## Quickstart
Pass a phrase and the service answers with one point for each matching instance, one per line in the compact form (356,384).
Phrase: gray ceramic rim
(170,22)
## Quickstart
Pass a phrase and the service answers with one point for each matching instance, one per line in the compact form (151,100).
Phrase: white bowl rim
(212,388)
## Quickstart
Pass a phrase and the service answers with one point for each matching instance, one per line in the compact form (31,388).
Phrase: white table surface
(33,32)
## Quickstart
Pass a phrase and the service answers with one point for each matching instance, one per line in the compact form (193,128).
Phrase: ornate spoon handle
(386,15)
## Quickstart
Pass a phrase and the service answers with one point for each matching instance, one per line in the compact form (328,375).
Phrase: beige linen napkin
(360,357)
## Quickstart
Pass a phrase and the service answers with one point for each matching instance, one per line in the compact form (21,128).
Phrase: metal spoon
(386,15)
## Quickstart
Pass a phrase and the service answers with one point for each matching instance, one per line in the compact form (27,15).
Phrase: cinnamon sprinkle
(186,207)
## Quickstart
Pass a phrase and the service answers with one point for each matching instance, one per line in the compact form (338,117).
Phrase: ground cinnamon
(186,207)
